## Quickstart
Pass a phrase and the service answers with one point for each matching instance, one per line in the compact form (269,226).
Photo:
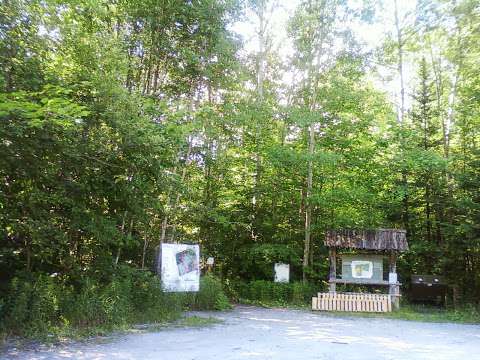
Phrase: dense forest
(126,124)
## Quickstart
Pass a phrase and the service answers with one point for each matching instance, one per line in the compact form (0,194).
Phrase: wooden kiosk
(364,267)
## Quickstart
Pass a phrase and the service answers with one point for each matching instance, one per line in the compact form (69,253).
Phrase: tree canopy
(126,124)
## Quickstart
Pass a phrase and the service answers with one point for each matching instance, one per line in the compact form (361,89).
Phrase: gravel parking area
(256,333)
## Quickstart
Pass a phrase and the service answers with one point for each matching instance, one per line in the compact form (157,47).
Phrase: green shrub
(258,259)
(303,293)
(269,292)
(37,305)
(32,307)
(211,295)
(150,303)
(92,305)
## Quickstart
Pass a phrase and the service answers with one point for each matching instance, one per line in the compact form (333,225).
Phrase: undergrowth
(49,308)
(268,293)
(297,295)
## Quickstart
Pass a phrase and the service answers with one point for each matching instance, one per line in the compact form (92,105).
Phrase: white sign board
(180,269)
(362,269)
(282,273)
(392,278)
(210,261)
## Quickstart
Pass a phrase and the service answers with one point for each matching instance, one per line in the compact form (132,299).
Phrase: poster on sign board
(180,271)
(282,273)
(362,269)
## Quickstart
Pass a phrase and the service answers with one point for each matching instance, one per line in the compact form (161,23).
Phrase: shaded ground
(257,333)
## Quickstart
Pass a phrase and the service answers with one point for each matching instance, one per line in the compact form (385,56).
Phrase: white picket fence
(357,302)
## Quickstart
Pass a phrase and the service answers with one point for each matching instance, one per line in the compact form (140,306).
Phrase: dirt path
(255,333)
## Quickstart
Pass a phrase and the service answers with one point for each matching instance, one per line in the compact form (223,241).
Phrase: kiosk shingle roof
(381,239)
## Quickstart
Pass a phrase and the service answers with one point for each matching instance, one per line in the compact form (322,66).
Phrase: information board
(282,272)
(180,269)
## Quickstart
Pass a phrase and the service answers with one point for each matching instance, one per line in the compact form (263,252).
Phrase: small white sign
(392,278)
(210,261)
(282,273)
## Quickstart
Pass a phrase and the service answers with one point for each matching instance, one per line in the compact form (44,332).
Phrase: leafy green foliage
(271,293)
(124,125)
(211,295)
(40,305)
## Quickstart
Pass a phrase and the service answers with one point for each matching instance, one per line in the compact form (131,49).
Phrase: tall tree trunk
(428,212)
(163,231)
(144,251)
(146,82)
(437,73)
(401,116)
(308,208)
(155,78)
(182,180)
(450,112)
(261,12)
(122,230)
(261,52)
(28,253)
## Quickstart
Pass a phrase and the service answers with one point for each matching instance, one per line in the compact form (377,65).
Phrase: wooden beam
(332,257)
(393,262)
(362,282)
(394,289)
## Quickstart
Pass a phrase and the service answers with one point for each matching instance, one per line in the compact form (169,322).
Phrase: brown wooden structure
(387,241)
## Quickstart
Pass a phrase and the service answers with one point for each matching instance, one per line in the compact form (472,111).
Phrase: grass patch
(466,315)
(186,321)
(423,313)
(270,304)
(96,333)
(198,321)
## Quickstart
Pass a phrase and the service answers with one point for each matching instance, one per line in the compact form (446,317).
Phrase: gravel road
(257,333)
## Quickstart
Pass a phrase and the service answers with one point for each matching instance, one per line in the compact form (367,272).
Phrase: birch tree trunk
(401,114)
(144,250)
(119,249)
(261,13)
(308,208)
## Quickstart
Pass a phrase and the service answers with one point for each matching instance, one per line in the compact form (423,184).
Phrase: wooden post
(158,259)
(332,256)
(455,296)
(394,289)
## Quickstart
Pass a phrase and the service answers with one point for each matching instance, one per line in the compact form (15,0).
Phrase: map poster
(362,269)
(180,271)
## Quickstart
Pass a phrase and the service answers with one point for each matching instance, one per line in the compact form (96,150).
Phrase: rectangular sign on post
(392,278)
(282,272)
(180,269)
